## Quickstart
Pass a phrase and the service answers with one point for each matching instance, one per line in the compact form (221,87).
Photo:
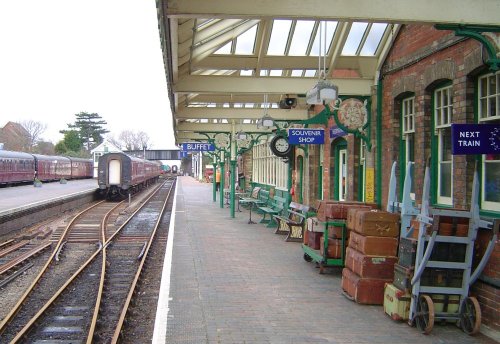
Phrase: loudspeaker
(288,103)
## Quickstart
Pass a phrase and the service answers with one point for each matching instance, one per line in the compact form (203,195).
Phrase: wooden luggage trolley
(454,276)
(321,256)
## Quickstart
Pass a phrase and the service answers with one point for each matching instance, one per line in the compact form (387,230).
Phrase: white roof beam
(206,49)
(240,113)
(484,12)
(261,85)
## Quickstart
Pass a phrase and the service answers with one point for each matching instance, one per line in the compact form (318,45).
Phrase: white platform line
(160,329)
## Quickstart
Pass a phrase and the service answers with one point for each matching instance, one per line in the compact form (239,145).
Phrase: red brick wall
(421,58)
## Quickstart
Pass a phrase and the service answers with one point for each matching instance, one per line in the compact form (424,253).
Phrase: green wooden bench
(293,221)
(248,199)
(274,206)
(261,200)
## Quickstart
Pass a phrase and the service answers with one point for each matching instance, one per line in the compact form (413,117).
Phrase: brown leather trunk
(374,246)
(370,266)
(369,291)
(314,240)
(377,223)
(321,206)
(339,210)
(334,248)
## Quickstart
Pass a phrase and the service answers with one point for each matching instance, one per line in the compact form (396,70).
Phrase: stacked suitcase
(328,210)
(370,255)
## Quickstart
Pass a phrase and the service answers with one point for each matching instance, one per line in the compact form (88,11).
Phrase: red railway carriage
(16,167)
(81,168)
(51,167)
(120,174)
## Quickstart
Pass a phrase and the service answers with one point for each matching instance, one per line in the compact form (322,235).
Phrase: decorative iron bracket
(476,32)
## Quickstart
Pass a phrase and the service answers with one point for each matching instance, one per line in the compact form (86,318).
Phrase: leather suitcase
(335,232)
(368,291)
(402,277)
(396,303)
(314,240)
(321,206)
(334,248)
(370,266)
(351,217)
(372,245)
(339,210)
(407,252)
(377,223)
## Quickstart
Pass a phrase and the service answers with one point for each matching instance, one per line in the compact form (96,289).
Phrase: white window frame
(443,110)
(486,95)
(268,169)
(408,120)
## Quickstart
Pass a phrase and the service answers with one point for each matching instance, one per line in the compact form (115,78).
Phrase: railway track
(90,303)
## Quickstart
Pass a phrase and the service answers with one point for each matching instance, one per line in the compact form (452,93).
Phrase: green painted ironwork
(476,32)
(378,170)
(323,117)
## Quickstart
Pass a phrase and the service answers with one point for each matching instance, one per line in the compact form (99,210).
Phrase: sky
(62,57)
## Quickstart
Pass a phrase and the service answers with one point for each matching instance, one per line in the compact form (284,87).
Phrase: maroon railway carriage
(16,167)
(120,174)
(51,167)
(81,168)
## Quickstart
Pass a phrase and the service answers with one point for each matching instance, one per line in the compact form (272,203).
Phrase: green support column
(233,182)
(214,184)
(222,178)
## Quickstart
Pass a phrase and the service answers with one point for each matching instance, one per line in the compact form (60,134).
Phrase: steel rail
(18,260)
(28,291)
(103,270)
(124,311)
(12,247)
(30,323)
(102,248)
(5,243)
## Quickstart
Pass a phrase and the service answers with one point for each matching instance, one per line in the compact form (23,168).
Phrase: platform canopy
(229,61)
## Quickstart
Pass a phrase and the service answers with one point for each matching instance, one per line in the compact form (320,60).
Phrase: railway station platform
(24,205)
(26,196)
(227,281)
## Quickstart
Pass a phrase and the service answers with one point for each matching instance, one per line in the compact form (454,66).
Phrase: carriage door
(342,168)
(114,175)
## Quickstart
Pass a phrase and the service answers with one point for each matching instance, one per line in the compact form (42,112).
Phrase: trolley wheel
(424,317)
(470,316)
(307,258)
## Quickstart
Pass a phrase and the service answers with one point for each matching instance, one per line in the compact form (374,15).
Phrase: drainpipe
(378,170)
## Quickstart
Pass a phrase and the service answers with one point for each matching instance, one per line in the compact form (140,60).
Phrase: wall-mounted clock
(280,146)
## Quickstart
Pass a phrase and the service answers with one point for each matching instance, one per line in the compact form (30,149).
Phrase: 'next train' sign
(475,139)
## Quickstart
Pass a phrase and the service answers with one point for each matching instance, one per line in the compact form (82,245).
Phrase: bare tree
(143,139)
(114,141)
(134,141)
(34,130)
(128,139)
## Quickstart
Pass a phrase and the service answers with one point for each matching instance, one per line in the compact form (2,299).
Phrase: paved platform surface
(28,195)
(232,282)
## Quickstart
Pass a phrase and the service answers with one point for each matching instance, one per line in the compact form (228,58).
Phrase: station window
(489,113)
(408,135)
(267,168)
(443,109)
